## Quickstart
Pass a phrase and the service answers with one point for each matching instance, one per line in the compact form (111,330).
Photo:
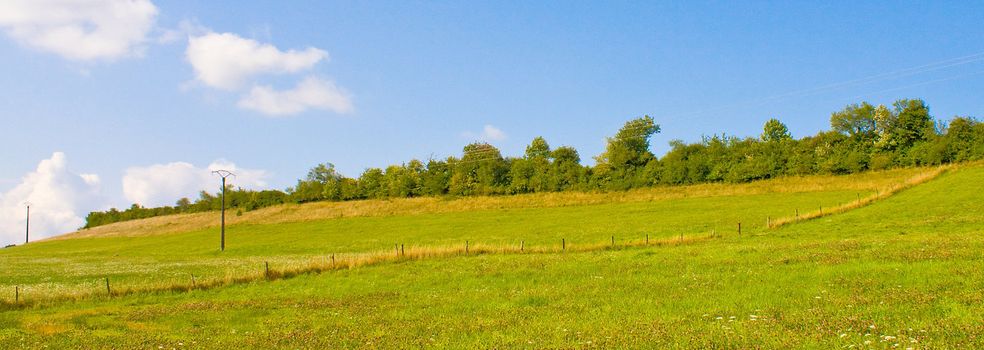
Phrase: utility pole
(27,224)
(223,174)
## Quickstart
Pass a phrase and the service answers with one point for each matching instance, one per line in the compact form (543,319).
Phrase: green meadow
(904,271)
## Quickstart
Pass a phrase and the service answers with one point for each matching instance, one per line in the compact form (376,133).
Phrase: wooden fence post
(466,246)
(266,269)
(333,261)
(522,246)
(768,222)
(193,284)
(16,294)
(108,291)
(821,210)
(647,239)
(402,252)
(563,244)
(739,229)
(613,242)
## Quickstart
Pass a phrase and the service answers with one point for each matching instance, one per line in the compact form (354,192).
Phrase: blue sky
(367,84)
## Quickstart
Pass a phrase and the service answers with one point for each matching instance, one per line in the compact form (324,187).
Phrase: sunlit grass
(77,268)
(900,272)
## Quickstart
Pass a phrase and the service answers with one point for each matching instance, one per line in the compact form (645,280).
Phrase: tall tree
(912,122)
(537,158)
(566,172)
(855,120)
(774,131)
(538,149)
(627,151)
(372,183)
(630,145)
(481,170)
(436,178)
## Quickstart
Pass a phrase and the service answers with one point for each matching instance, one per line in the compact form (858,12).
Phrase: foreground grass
(904,273)
(77,267)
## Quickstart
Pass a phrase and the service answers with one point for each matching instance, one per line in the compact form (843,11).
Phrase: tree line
(862,137)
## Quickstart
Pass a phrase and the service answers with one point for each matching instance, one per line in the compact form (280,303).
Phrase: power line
(890,75)
(943,64)
(959,76)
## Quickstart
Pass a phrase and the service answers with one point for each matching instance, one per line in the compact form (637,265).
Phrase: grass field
(133,258)
(903,272)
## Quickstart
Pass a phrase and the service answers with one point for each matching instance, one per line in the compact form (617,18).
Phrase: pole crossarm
(223,173)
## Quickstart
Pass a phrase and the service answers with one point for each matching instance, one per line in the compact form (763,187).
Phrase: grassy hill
(903,270)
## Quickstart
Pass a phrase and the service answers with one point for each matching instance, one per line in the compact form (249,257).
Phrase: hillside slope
(78,266)
(318,211)
(902,272)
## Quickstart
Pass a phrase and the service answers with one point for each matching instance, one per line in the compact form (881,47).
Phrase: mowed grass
(78,266)
(902,273)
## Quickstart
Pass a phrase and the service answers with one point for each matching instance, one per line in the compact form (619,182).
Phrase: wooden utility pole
(223,174)
(27,224)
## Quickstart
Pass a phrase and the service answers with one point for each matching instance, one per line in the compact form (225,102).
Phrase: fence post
(797,213)
(522,246)
(647,239)
(16,294)
(333,261)
(739,229)
(402,252)
(563,244)
(266,269)
(466,246)
(397,248)
(821,210)
(613,242)
(108,291)
(193,284)
(768,222)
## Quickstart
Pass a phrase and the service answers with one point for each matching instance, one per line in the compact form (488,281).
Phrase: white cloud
(59,201)
(310,93)
(82,30)
(489,133)
(163,184)
(227,61)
